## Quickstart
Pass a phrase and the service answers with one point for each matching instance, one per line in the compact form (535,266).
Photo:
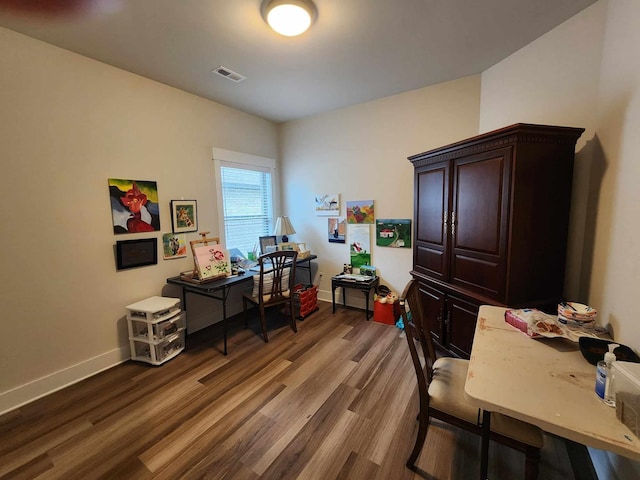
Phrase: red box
(386,312)
(305,300)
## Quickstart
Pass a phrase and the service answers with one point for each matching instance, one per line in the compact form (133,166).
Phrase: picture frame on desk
(288,246)
(267,241)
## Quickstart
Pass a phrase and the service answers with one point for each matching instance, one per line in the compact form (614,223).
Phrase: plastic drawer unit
(157,327)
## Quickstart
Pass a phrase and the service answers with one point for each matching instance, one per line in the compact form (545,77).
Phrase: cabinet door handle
(445,221)
(453,224)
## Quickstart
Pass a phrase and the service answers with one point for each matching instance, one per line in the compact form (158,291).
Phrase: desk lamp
(283,228)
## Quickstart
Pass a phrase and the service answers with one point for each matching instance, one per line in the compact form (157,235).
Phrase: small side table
(364,285)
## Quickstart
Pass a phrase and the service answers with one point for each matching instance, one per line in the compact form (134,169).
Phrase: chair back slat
(274,281)
(417,330)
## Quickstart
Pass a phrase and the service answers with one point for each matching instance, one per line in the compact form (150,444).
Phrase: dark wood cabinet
(491,217)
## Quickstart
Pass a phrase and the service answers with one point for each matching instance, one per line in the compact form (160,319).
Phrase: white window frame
(222,157)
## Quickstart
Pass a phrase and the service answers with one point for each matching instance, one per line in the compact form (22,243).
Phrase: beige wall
(68,123)
(586,73)
(361,153)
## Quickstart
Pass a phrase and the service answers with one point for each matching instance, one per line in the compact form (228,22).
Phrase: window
(246,195)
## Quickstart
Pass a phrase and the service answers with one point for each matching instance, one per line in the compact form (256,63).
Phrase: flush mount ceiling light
(289,17)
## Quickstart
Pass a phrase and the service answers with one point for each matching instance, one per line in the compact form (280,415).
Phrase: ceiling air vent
(229,74)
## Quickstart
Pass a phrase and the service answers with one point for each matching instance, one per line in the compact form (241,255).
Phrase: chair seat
(446,393)
(265,298)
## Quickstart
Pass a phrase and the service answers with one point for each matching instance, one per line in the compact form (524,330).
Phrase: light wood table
(545,382)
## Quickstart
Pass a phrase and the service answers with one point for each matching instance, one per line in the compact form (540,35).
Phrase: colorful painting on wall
(184,216)
(337,229)
(174,245)
(134,206)
(393,233)
(327,204)
(359,245)
(360,211)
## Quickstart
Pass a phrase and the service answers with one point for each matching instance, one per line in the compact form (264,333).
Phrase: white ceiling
(356,51)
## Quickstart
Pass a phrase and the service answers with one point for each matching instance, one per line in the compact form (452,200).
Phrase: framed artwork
(360,211)
(268,241)
(212,261)
(136,253)
(134,206)
(327,204)
(288,246)
(184,216)
(337,229)
(359,245)
(393,233)
(174,245)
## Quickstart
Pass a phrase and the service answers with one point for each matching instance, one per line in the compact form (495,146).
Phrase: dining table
(542,381)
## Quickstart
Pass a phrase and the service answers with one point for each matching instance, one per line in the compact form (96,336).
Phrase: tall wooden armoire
(491,218)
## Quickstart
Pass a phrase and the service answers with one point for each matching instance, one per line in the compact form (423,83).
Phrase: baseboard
(27,393)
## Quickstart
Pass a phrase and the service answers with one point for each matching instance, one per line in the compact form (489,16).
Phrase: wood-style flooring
(337,400)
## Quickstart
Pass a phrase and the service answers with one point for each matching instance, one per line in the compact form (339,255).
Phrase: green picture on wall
(393,233)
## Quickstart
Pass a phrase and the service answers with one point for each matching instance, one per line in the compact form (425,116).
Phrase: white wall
(68,123)
(361,153)
(586,73)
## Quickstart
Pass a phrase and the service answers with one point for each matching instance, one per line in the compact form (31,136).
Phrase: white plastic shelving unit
(157,328)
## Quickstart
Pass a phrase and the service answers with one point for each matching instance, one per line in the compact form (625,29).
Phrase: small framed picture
(184,216)
(268,241)
(136,253)
(288,246)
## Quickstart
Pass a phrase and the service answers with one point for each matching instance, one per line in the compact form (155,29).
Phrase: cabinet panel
(480,203)
(461,325)
(432,207)
(434,308)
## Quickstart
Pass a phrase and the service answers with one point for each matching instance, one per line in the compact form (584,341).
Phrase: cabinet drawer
(157,353)
(155,332)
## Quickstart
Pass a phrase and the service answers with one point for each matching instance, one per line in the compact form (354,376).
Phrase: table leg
(333,298)
(366,303)
(484,450)
(344,298)
(224,317)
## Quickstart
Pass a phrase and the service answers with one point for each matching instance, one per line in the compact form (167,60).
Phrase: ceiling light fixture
(289,17)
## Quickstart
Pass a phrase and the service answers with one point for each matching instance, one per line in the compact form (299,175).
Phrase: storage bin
(153,309)
(157,353)
(156,331)
(387,313)
(305,300)
(626,391)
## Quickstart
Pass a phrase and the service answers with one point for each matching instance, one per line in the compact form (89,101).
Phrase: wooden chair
(273,286)
(442,396)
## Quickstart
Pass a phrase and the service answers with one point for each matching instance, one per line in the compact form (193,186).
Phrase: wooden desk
(364,286)
(219,289)
(545,382)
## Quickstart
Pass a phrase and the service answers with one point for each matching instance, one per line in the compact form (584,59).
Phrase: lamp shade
(289,17)
(283,228)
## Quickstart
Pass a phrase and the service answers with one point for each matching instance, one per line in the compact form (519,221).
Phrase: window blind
(247,205)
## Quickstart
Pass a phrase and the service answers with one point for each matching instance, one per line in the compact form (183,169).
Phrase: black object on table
(345,282)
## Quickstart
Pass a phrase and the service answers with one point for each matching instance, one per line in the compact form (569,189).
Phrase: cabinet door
(479,222)
(461,325)
(432,216)
(434,307)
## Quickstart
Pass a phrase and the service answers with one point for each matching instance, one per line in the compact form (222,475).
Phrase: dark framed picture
(184,216)
(268,241)
(136,253)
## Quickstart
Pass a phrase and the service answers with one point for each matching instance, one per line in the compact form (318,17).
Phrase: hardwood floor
(337,400)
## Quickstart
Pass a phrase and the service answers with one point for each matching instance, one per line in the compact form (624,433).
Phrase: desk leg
(333,298)
(225,293)
(484,450)
(344,298)
(366,304)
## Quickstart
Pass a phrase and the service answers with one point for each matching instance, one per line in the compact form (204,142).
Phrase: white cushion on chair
(268,284)
(446,393)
